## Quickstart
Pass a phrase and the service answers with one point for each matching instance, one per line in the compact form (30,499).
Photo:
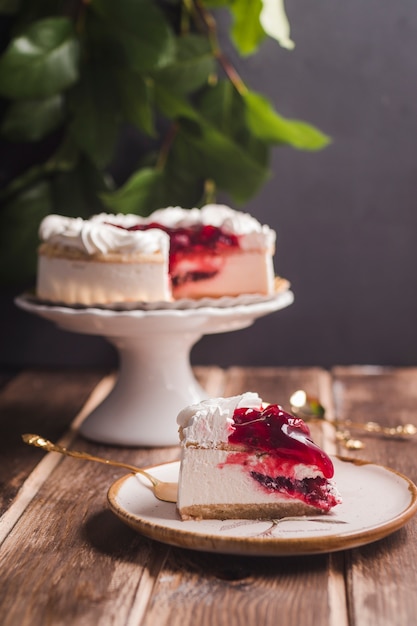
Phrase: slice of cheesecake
(242,459)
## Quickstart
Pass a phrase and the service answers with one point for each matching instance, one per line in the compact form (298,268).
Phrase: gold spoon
(162,490)
(310,409)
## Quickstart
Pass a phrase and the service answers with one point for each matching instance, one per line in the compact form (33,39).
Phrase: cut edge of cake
(220,479)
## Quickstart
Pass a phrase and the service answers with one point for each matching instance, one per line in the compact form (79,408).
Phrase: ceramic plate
(376,502)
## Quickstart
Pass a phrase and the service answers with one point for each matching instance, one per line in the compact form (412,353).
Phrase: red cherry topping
(196,245)
(276,432)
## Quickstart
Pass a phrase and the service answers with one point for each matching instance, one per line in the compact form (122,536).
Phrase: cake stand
(155,380)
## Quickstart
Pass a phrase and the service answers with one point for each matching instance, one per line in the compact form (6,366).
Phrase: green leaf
(268,125)
(141,194)
(41,61)
(95,107)
(19,223)
(228,164)
(173,105)
(247,32)
(225,109)
(216,156)
(142,29)
(31,120)
(192,67)
(136,100)
(183,180)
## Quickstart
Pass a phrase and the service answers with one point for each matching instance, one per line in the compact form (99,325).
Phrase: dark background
(345,217)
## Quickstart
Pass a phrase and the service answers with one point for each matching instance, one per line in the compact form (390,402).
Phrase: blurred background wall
(346,217)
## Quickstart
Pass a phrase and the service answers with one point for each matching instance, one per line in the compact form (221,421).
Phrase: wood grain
(201,588)
(66,559)
(36,401)
(382,576)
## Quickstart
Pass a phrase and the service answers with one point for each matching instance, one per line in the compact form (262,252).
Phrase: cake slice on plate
(243,459)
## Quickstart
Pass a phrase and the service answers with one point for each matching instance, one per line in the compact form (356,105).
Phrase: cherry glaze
(198,245)
(193,239)
(280,434)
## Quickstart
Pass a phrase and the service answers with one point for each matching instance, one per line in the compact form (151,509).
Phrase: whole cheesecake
(243,459)
(172,254)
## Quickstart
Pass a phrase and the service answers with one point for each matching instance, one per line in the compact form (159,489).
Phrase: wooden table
(65,558)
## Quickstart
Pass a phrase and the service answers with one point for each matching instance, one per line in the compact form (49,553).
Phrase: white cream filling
(97,282)
(206,478)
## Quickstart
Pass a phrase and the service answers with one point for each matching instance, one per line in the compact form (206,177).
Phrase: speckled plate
(376,502)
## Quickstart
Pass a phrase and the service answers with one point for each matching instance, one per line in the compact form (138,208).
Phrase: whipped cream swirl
(209,423)
(101,233)
(96,237)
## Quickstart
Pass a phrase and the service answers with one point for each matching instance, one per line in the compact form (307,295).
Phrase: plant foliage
(74,74)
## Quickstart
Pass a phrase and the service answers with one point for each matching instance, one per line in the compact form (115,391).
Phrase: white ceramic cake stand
(155,380)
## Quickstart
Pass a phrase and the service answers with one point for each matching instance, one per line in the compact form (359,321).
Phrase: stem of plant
(211,27)
(165,148)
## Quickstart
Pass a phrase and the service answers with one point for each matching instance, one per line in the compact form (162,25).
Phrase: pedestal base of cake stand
(154,382)
(155,379)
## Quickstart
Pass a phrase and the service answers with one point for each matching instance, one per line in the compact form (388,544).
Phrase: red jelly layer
(313,491)
(198,238)
(275,474)
(193,250)
(279,434)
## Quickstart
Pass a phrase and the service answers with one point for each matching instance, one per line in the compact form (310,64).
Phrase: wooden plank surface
(382,580)
(41,402)
(66,559)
